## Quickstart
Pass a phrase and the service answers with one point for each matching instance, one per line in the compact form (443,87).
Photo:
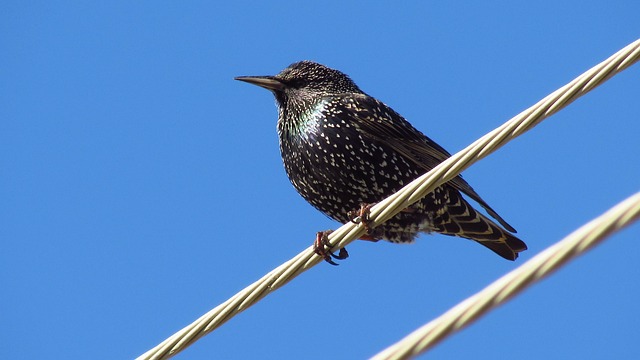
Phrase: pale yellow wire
(503,289)
(397,202)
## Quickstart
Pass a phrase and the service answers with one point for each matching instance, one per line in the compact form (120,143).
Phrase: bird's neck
(300,120)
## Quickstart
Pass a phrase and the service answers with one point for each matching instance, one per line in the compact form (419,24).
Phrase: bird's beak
(267,82)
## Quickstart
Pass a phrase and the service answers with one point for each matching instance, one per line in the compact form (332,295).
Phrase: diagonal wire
(400,200)
(505,288)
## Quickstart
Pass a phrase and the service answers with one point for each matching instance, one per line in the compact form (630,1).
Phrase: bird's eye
(296,83)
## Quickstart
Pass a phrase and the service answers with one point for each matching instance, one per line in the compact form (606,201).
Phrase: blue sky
(141,186)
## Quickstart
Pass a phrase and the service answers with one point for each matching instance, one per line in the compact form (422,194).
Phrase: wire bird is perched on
(342,148)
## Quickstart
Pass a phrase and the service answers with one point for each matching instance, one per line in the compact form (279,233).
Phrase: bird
(344,150)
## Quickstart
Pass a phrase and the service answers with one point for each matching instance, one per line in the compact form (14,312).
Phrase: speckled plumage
(342,148)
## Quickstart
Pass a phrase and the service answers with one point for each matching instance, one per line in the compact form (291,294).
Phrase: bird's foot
(322,247)
(362,216)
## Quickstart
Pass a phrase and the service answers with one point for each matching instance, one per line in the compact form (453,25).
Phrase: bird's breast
(335,167)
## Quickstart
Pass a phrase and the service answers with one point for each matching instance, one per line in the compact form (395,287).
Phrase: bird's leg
(362,216)
(322,247)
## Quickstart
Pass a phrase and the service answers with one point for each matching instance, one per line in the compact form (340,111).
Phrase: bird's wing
(381,123)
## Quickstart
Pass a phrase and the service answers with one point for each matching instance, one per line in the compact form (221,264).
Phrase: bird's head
(304,80)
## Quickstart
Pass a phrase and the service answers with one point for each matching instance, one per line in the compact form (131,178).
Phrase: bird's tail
(462,220)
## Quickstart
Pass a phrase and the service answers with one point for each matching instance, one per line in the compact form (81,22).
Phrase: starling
(342,148)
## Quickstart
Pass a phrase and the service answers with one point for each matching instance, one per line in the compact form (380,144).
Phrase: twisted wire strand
(505,288)
(398,201)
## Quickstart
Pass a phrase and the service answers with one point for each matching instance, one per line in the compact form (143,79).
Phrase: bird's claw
(361,216)
(322,247)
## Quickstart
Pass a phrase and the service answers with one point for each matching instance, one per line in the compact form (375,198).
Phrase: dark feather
(381,123)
